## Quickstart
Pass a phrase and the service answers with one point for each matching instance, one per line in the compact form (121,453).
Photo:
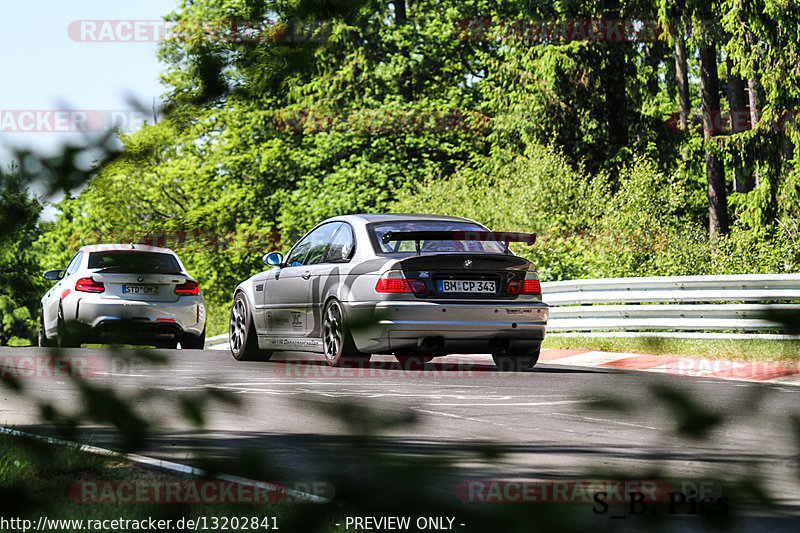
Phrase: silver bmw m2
(415,286)
(123,294)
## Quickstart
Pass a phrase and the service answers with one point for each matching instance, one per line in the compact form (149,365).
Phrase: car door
(285,293)
(328,273)
(286,290)
(60,290)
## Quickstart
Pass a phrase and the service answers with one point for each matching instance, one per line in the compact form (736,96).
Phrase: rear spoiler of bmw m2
(483,236)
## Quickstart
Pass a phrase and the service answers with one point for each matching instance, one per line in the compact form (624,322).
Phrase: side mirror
(273,259)
(53,275)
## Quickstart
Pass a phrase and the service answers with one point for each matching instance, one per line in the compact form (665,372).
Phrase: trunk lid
(465,276)
(143,287)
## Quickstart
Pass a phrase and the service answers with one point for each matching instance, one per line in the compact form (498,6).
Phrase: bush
(589,230)
(21,285)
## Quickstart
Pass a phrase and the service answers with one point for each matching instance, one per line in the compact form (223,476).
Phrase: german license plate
(140,289)
(467,285)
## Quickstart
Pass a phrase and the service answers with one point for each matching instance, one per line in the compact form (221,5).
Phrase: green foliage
(565,139)
(21,286)
(342,107)
(258,164)
(16,320)
(724,349)
(587,231)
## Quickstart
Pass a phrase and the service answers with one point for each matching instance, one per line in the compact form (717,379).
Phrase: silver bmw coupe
(415,286)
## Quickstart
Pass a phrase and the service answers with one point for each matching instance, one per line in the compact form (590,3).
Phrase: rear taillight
(395,282)
(531,286)
(392,282)
(190,287)
(89,285)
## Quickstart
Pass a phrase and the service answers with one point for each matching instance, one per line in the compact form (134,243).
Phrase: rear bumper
(136,322)
(461,327)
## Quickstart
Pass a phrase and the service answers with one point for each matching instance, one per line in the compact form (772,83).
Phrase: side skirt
(301,344)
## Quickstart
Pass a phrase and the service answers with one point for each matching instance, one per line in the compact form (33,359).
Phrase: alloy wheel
(332,331)
(238,326)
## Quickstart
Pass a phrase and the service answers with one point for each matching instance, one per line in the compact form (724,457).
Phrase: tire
(337,342)
(242,333)
(192,342)
(412,362)
(44,342)
(64,338)
(516,361)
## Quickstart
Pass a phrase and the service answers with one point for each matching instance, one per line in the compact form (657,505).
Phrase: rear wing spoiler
(482,236)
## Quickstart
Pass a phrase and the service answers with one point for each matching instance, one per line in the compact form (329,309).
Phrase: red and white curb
(787,373)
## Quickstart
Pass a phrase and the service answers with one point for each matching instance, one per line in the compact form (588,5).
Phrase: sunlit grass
(40,475)
(733,349)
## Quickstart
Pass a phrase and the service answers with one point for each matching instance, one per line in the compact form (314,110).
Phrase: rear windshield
(473,246)
(134,262)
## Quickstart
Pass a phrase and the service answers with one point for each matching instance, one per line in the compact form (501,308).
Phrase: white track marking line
(591,358)
(611,421)
(460,417)
(165,465)
(504,404)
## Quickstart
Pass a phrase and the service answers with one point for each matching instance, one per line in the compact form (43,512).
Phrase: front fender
(248,289)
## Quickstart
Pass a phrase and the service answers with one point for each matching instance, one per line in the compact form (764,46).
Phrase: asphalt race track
(549,423)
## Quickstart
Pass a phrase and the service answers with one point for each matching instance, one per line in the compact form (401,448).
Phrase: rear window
(134,262)
(378,230)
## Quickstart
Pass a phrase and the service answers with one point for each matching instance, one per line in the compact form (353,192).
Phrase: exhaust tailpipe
(432,344)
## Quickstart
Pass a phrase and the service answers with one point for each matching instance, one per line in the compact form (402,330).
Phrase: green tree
(20,282)
(267,137)
(764,49)
(326,108)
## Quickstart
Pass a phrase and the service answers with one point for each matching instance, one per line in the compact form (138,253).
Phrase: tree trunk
(613,80)
(400,19)
(738,119)
(682,76)
(752,94)
(399,12)
(653,52)
(715,170)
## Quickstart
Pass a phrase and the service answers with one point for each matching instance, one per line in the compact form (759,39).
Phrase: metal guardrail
(675,303)
(219,342)
(650,306)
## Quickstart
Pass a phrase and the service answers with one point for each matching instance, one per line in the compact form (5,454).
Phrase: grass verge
(40,479)
(736,349)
